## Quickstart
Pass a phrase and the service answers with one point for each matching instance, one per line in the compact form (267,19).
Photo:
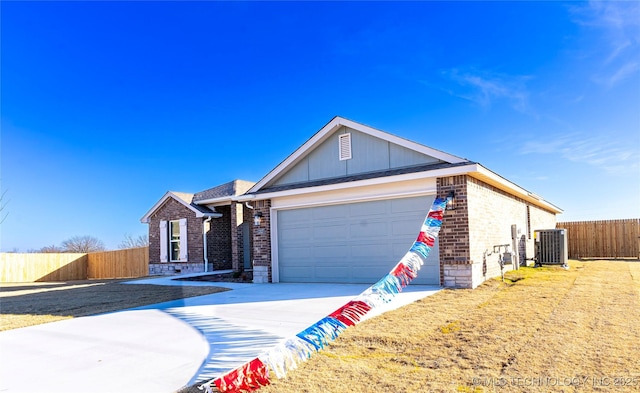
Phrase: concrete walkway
(166,346)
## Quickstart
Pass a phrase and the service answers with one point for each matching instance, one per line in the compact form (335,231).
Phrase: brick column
(455,262)
(237,217)
(262,243)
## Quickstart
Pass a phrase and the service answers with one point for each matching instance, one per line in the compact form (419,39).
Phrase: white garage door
(352,243)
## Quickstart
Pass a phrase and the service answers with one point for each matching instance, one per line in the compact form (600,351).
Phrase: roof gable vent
(344,146)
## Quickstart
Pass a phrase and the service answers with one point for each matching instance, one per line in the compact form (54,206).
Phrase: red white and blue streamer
(289,354)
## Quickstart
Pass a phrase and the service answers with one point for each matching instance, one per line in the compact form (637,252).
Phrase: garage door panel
(357,242)
(331,231)
(334,272)
(291,253)
(336,251)
(408,205)
(295,235)
(372,250)
(399,228)
(369,209)
(328,212)
(368,228)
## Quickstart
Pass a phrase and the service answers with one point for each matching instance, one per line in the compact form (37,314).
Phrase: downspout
(204,242)
(248,205)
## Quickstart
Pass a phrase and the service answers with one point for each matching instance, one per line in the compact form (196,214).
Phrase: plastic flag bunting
(351,313)
(287,355)
(247,378)
(322,332)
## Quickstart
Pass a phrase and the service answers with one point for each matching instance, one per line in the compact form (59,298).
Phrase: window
(174,241)
(344,146)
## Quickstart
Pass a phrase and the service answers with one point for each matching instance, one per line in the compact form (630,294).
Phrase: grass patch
(544,329)
(28,304)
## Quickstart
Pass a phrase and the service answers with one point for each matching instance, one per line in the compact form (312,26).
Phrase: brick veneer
(482,218)
(174,210)
(262,243)
(218,240)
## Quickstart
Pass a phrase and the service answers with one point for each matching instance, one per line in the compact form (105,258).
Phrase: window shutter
(344,146)
(164,242)
(183,240)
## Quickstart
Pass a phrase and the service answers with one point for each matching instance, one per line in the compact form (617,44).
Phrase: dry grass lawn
(544,329)
(27,304)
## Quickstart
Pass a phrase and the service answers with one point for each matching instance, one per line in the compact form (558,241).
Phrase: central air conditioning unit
(551,246)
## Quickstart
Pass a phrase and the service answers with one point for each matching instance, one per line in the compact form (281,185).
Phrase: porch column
(237,218)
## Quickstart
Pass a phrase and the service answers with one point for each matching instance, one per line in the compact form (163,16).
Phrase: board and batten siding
(369,154)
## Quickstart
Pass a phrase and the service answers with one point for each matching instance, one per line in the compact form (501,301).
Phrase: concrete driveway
(166,346)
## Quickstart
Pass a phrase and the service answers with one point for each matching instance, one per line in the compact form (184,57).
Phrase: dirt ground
(27,304)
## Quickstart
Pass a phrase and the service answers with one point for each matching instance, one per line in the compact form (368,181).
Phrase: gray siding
(369,154)
(352,243)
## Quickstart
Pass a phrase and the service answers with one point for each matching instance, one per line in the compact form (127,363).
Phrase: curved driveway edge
(167,346)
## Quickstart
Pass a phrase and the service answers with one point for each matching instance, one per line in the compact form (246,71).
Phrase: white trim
(344,146)
(368,198)
(492,178)
(369,182)
(164,241)
(334,125)
(219,201)
(171,241)
(184,247)
(275,267)
(474,170)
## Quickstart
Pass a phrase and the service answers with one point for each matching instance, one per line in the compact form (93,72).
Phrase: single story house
(345,207)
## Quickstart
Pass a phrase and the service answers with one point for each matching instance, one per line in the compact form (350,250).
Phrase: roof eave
(474,170)
(147,217)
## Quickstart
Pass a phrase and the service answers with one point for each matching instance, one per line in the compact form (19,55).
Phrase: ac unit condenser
(551,246)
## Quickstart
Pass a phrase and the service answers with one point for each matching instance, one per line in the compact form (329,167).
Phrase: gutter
(204,242)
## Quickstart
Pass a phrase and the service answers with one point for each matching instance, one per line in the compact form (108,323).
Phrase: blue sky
(107,105)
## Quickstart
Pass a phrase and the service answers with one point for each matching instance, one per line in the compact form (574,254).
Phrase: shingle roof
(188,199)
(364,176)
(232,188)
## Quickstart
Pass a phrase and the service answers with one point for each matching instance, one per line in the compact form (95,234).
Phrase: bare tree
(83,244)
(133,242)
(50,249)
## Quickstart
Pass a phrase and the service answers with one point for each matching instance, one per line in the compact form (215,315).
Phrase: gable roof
(185,199)
(222,193)
(329,128)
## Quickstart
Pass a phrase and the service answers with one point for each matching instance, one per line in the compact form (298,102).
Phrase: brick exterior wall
(174,210)
(482,219)
(219,240)
(262,243)
(453,240)
(219,245)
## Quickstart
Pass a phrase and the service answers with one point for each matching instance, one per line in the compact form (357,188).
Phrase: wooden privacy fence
(603,239)
(31,267)
(131,262)
(42,267)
